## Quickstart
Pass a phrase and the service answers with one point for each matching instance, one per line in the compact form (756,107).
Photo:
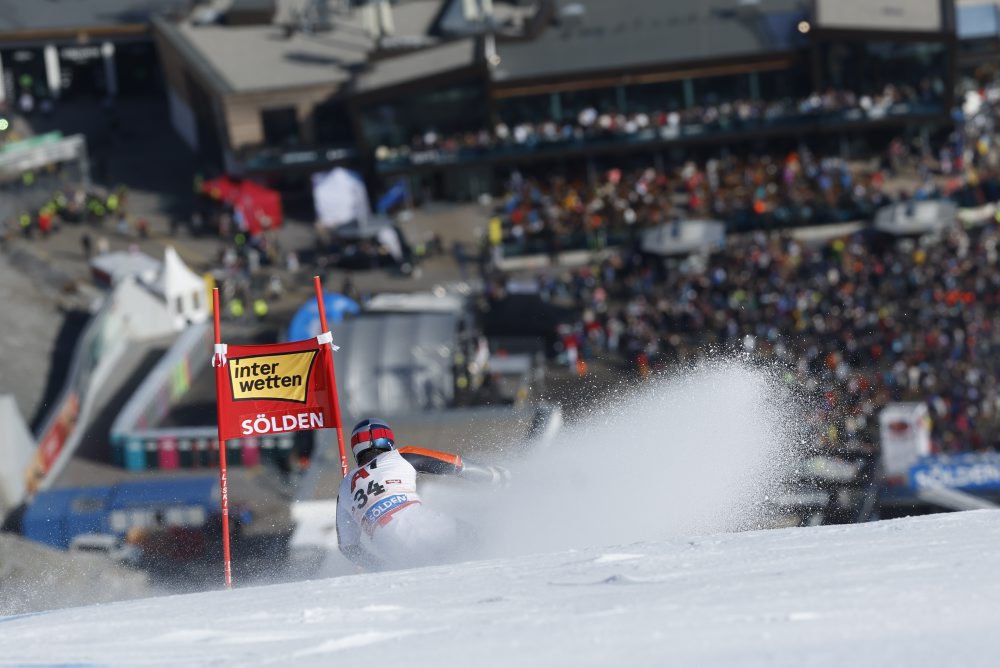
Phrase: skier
(378,501)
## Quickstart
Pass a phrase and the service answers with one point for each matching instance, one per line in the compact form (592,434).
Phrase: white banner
(339,197)
(905,430)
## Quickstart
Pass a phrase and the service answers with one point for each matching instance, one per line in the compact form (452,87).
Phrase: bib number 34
(361,496)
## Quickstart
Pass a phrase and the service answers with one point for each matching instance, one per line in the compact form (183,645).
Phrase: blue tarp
(393,196)
(56,516)
(198,491)
(305,322)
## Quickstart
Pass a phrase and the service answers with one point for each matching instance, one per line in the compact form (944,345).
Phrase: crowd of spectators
(41,203)
(855,322)
(769,191)
(741,114)
(777,191)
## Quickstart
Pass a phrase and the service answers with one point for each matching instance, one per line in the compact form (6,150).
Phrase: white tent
(683,237)
(913,217)
(136,312)
(109,269)
(339,198)
(16,450)
(183,291)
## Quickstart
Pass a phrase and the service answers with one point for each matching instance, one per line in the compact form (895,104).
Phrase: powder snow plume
(695,451)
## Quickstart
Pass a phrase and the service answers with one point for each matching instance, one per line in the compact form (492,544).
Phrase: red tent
(223,189)
(258,209)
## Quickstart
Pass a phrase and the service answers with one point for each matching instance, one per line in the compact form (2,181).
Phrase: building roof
(460,17)
(415,17)
(116,266)
(31,15)
(265,57)
(254,58)
(598,35)
(417,65)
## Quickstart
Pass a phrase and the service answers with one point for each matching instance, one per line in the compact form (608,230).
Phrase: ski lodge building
(449,93)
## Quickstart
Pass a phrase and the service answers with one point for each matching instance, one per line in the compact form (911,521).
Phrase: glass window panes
(281,126)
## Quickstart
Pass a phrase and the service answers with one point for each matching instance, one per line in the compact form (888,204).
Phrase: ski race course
(629,539)
(911,592)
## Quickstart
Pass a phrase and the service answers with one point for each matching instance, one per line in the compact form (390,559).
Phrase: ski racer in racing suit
(378,500)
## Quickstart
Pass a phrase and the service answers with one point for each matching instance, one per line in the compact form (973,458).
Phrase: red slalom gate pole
(220,369)
(331,379)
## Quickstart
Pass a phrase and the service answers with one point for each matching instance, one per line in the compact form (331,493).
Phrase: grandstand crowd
(722,116)
(797,188)
(858,321)
(764,191)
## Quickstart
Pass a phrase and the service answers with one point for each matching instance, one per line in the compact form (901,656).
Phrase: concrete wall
(242,112)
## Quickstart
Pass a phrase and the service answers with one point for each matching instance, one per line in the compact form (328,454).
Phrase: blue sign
(973,471)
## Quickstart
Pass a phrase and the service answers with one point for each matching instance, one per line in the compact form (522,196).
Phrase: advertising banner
(52,441)
(274,389)
(971,472)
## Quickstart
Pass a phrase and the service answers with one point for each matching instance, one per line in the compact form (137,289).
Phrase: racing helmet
(371,433)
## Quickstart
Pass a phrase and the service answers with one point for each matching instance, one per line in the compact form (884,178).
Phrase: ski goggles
(381,438)
(381,443)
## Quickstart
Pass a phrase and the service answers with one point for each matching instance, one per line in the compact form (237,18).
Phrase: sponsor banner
(180,379)
(380,512)
(274,389)
(973,471)
(52,442)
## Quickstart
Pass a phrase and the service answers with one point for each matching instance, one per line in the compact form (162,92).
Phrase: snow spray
(698,450)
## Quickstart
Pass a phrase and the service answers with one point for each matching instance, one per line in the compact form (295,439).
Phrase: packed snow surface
(913,592)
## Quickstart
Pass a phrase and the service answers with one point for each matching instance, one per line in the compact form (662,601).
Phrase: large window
(528,109)
(333,125)
(281,126)
(713,91)
(792,83)
(445,112)
(918,68)
(651,98)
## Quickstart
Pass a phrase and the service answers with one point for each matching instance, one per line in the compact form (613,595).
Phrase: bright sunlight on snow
(912,592)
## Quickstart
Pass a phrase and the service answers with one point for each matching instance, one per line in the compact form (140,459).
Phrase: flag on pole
(274,389)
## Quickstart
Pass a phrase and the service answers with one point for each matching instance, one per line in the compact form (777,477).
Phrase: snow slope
(912,592)
(698,451)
